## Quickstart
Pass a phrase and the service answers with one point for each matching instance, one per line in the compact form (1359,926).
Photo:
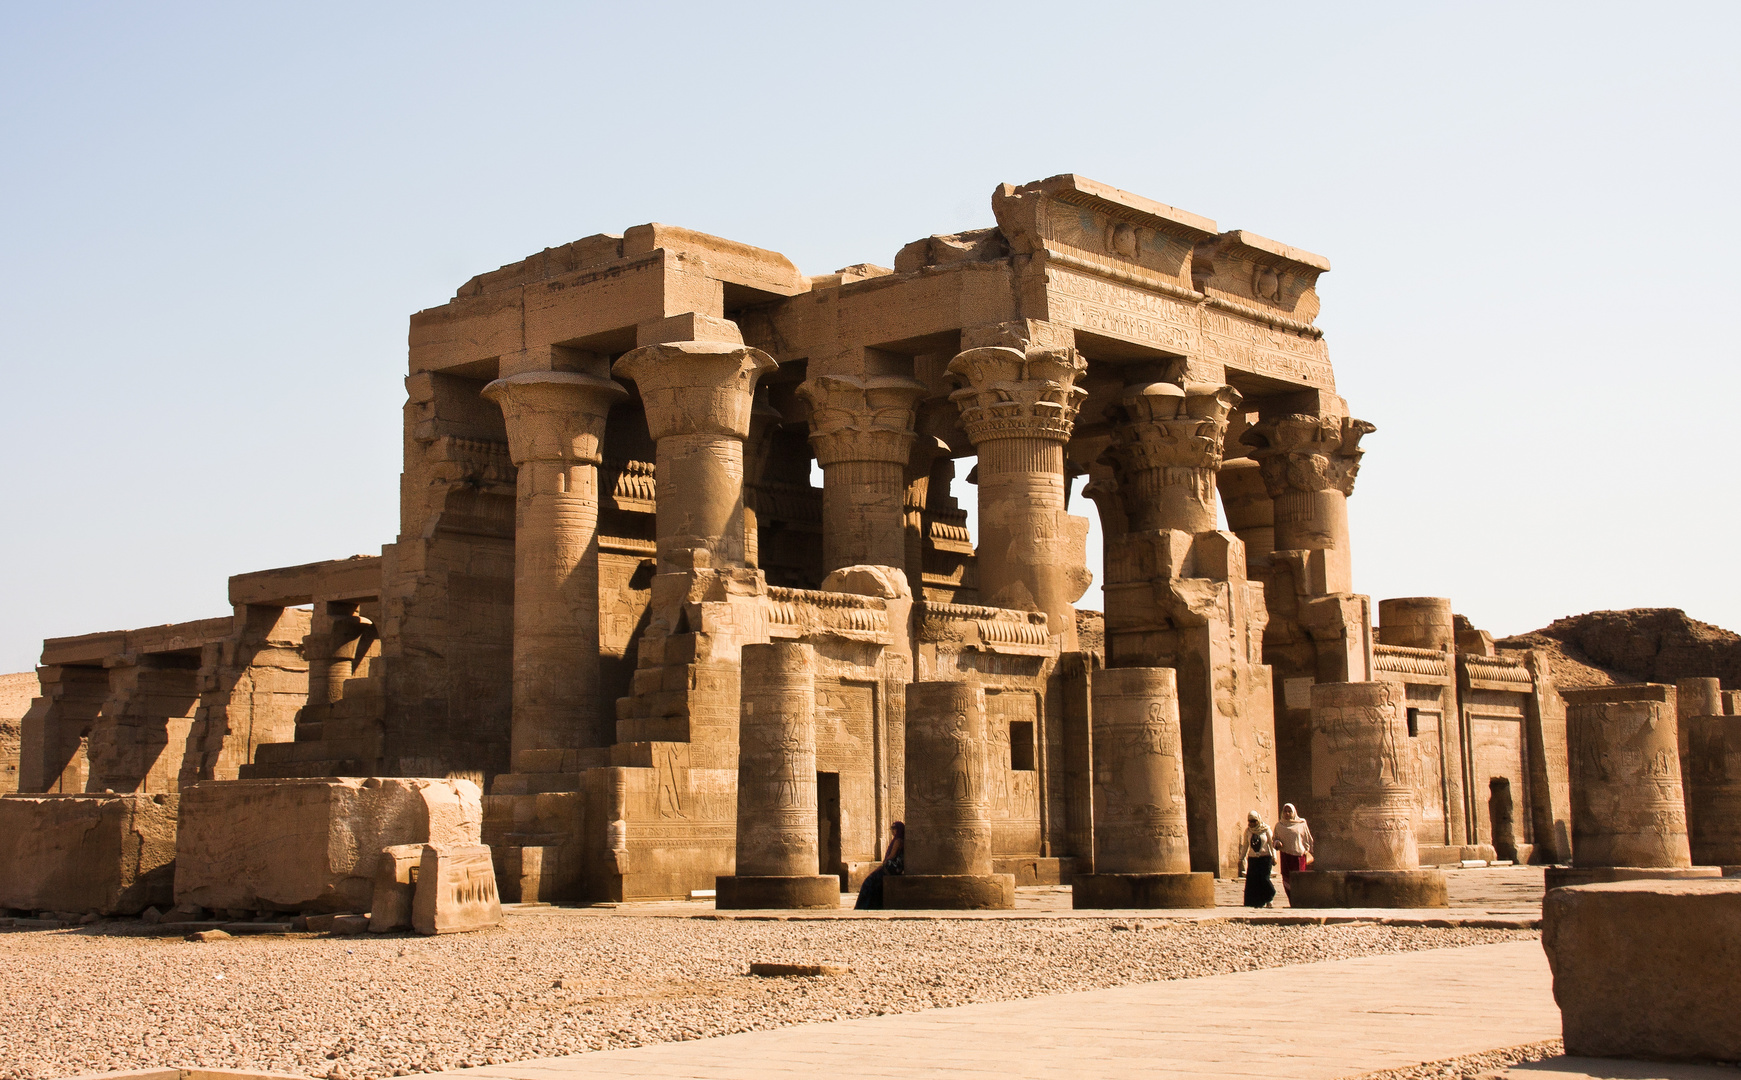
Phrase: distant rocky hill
(1637,645)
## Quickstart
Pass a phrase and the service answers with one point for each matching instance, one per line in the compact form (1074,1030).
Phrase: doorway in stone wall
(1502,816)
(828,823)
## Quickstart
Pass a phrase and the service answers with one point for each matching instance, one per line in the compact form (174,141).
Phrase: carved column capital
(861,419)
(1304,453)
(696,387)
(554,415)
(1011,393)
(1166,452)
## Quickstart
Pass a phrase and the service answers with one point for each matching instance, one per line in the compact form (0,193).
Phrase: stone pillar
(1308,464)
(555,421)
(1417,622)
(1019,409)
(1366,804)
(1167,453)
(1251,513)
(862,431)
(1628,807)
(698,396)
(1694,698)
(1714,791)
(1142,853)
(948,843)
(776,796)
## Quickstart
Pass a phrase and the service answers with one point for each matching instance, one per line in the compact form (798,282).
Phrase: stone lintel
(355,578)
(93,649)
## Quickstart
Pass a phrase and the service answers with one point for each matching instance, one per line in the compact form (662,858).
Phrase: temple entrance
(828,823)
(1501,814)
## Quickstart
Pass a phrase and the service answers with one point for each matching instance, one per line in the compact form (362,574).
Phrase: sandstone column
(948,844)
(1250,511)
(1167,453)
(1309,464)
(1628,806)
(862,430)
(1714,791)
(698,397)
(555,421)
(1142,854)
(1366,804)
(776,796)
(1019,409)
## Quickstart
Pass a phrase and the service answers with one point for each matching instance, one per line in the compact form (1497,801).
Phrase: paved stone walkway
(1305,1022)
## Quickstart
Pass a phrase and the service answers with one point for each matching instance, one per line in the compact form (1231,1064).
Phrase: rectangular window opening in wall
(1414,717)
(1022,745)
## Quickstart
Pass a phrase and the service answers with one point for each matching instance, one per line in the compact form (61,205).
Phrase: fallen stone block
(1642,968)
(350,924)
(456,890)
(797,970)
(310,845)
(208,935)
(112,854)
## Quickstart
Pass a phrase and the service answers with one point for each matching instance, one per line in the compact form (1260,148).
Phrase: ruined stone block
(113,854)
(1642,968)
(301,845)
(456,890)
(395,886)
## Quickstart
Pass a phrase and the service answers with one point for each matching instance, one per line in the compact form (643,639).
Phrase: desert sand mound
(1637,645)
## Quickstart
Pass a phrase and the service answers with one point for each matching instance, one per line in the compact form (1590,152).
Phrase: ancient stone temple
(608,497)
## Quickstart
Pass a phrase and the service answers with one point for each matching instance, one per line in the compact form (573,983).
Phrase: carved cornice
(696,387)
(1014,394)
(554,415)
(854,419)
(1300,452)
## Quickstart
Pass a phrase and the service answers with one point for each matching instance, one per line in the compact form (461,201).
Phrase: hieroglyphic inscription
(1122,311)
(1249,346)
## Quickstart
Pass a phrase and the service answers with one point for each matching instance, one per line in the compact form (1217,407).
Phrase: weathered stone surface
(1645,969)
(309,845)
(395,886)
(113,854)
(1628,804)
(1714,789)
(456,890)
(1366,806)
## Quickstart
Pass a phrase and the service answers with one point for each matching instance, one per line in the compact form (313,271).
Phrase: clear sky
(218,218)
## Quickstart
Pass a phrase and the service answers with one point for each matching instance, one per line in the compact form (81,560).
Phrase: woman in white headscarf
(1259,856)
(1294,841)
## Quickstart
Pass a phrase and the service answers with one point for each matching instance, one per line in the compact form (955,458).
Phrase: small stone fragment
(208,935)
(797,970)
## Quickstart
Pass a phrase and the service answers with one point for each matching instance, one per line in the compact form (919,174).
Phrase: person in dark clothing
(870,894)
(1259,858)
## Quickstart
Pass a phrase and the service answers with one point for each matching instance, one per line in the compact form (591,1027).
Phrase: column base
(1559,877)
(743,892)
(1143,891)
(1368,889)
(952,892)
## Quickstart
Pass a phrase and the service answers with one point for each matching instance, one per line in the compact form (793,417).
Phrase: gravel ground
(1473,1066)
(562,983)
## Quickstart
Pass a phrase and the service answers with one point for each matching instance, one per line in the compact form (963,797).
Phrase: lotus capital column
(1308,464)
(1167,451)
(698,397)
(862,432)
(555,422)
(1019,408)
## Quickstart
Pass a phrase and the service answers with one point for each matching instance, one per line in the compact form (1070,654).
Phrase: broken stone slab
(797,970)
(310,845)
(456,890)
(1641,967)
(395,888)
(208,935)
(112,854)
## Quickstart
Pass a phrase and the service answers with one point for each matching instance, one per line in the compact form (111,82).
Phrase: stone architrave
(1366,804)
(948,841)
(309,845)
(1142,853)
(1019,408)
(699,396)
(862,432)
(108,854)
(1309,464)
(1629,817)
(456,890)
(555,422)
(1714,791)
(777,857)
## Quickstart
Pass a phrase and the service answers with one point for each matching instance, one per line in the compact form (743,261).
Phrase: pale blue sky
(218,218)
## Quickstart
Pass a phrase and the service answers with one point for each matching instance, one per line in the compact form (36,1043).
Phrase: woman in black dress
(870,894)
